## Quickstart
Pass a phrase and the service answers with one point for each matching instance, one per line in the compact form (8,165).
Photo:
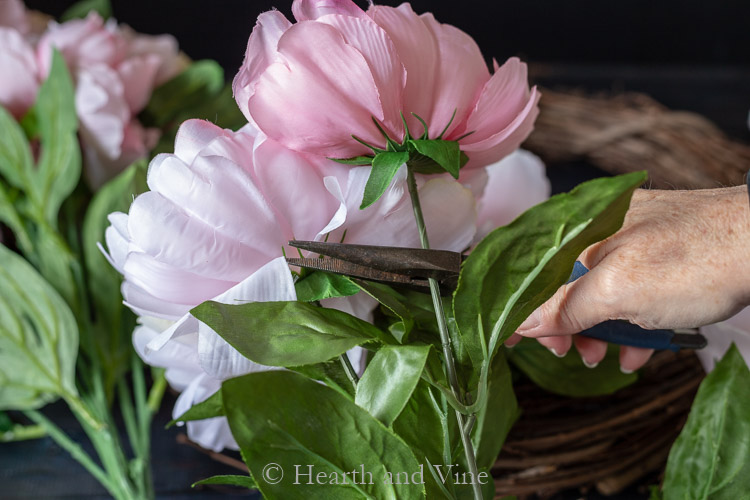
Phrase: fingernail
(589,365)
(626,371)
(531,323)
(553,351)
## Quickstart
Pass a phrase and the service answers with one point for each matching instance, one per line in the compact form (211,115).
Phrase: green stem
(351,373)
(156,393)
(23,433)
(80,410)
(74,449)
(445,340)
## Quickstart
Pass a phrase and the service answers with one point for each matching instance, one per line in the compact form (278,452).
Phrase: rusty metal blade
(352,270)
(414,262)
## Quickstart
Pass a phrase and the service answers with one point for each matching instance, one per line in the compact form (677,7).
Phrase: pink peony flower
(13,15)
(313,84)
(213,226)
(515,184)
(115,71)
(19,74)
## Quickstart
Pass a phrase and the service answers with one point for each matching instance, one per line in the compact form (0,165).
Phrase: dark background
(592,31)
(688,54)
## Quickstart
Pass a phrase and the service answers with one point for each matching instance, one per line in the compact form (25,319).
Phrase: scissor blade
(415,262)
(352,270)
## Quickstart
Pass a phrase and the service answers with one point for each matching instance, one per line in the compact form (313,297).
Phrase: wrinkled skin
(679,261)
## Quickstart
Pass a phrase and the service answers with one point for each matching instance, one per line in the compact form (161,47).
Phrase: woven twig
(631,132)
(605,442)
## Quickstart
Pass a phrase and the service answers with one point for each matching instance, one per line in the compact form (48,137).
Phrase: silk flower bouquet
(370,127)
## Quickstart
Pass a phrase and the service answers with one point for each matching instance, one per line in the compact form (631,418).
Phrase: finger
(559,345)
(595,253)
(573,308)
(632,358)
(592,351)
(513,340)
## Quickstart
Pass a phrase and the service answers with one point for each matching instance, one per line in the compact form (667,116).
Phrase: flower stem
(22,433)
(74,449)
(445,340)
(351,373)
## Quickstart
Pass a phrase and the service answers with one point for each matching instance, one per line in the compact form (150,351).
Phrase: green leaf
(209,408)
(393,302)
(497,416)
(113,323)
(568,376)
(55,176)
(655,493)
(59,167)
(81,9)
(447,154)
(711,457)
(320,285)
(355,160)
(326,433)
(330,373)
(384,168)
(38,338)
(231,480)
(423,425)
(201,81)
(6,423)
(518,267)
(390,379)
(286,333)
(16,162)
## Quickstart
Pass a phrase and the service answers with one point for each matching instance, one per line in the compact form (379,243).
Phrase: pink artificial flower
(313,84)
(515,184)
(116,71)
(735,330)
(220,210)
(19,74)
(13,15)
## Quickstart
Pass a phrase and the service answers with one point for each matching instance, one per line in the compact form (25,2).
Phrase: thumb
(573,308)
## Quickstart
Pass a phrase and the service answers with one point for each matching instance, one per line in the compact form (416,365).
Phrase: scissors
(412,267)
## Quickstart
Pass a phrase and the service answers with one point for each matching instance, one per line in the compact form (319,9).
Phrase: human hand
(679,261)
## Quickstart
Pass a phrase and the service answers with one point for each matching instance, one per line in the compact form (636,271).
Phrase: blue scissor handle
(622,332)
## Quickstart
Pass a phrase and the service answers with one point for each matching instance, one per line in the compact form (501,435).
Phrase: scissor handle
(624,333)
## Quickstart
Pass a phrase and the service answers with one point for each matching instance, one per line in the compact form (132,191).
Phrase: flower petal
(515,184)
(272,282)
(260,53)
(18,73)
(387,71)
(327,85)
(735,330)
(450,213)
(138,75)
(498,146)
(211,433)
(419,52)
(503,98)
(193,136)
(13,15)
(460,76)
(169,234)
(293,186)
(304,10)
